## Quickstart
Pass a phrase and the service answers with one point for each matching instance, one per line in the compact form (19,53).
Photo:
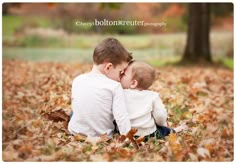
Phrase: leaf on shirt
(132,132)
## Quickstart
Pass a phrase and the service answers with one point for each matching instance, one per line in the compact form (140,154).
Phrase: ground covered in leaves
(36,108)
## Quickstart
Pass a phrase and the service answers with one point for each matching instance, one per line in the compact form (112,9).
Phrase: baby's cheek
(122,82)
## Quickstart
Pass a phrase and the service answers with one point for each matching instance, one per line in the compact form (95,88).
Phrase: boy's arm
(159,112)
(120,111)
(74,95)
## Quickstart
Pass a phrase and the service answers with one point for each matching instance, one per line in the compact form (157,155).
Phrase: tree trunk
(198,43)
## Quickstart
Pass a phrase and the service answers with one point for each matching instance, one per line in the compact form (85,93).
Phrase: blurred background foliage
(49,30)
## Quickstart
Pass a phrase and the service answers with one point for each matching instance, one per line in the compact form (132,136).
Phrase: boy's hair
(111,50)
(143,73)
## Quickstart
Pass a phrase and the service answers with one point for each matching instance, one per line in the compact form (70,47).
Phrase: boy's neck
(96,69)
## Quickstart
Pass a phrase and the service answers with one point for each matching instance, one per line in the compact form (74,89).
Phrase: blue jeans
(161,132)
(71,114)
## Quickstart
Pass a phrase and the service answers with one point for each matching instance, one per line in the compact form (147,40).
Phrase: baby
(146,110)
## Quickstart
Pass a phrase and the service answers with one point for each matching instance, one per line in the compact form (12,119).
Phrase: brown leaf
(130,135)
(140,139)
(80,137)
(124,153)
(204,95)
(56,116)
(203,152)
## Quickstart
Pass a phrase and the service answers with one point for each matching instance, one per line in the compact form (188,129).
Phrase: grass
(221,42)
(52,54)
(75,55)
(161,44)
(10,23)
(156,49)
(163,61)
(151,56)
(228,62)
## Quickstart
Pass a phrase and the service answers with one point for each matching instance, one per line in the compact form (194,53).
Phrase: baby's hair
(111,50)
(143,73)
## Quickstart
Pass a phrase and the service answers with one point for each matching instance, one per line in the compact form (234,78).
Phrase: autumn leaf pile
(36,107)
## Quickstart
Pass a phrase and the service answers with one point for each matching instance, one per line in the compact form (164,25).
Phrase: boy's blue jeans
(161,132)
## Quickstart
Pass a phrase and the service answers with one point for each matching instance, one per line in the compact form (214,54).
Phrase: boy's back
(145,109)
(96,100)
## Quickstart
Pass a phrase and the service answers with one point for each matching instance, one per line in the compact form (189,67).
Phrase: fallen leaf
(203,152)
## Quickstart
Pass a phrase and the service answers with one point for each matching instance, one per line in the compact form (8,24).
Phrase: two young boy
(98,97)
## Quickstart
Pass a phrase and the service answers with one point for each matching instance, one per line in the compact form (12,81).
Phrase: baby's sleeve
(120,111)
(159,112)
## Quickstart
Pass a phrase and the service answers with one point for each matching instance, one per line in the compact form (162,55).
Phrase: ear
(134,84)
(107,67)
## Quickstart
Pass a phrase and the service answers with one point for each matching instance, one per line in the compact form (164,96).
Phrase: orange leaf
(80,137)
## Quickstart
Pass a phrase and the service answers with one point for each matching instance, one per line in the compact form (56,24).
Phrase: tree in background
(198,35)
(198,43)
(7,6)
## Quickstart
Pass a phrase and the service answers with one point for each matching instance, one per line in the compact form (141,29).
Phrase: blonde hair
(143,73)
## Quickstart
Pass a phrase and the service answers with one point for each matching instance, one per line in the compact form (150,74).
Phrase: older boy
(97,96)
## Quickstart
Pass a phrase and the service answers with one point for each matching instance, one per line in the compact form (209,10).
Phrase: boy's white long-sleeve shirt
(96,102)
(145,108)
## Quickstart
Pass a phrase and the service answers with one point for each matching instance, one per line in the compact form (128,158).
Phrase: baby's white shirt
(145,108)
(96,102)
